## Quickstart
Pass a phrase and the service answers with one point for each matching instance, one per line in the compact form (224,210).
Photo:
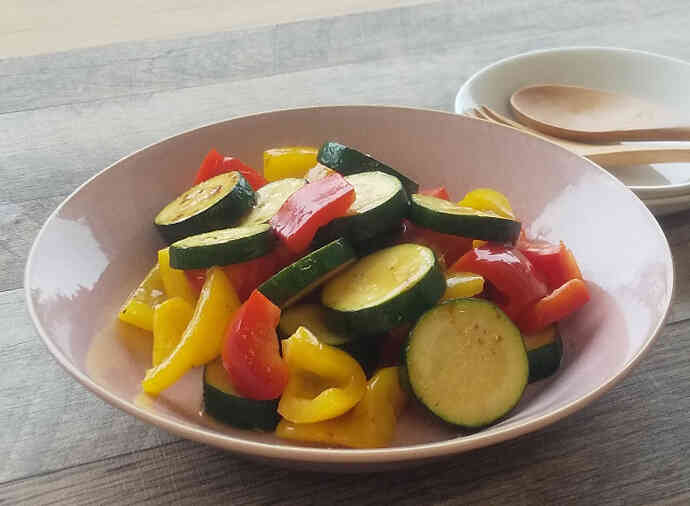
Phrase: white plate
(668,205)
(650,76)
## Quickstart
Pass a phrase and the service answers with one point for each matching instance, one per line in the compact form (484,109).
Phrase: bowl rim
(675,188)
(319,455)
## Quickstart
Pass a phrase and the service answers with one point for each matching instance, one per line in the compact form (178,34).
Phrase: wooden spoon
(606,155)
(588,115)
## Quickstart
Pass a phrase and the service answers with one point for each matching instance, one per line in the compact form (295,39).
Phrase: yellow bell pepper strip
(324,383)
(478,243)
(293,161)
(202,340)
(138,308)
(137,313)
(170,319)
(486,199)
(371,424)
(463,284)
(174,280)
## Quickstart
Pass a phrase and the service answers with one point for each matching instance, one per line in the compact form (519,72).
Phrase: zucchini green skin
(361,228)
(349,161)
(301,277)
(407,306)
(544,360)
(232,409)
(477,226)
(221,214)
(450,406)
(364,351)
(211,248)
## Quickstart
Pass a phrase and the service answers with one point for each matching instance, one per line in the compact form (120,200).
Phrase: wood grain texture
(456,27)
(49,420)
(596,456)
(40,27)
(65,116)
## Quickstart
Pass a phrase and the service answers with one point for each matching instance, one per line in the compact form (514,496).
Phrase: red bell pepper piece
(439,192)
(210,167)
(509,272)
(555,262)
(562,302)
(246,276)
(391,345)
(254,179)
(251,353)
(196,278)
(312,206)
(448,248)
(214,164)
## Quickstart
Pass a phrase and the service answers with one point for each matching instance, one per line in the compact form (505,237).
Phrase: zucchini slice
(544,352)
(269,198)
(210,205)
(448,218)
(466,363)
(380,205)
(301,277)
(315,318)
(222,402)
(384,289)
(349,161)
(222,247)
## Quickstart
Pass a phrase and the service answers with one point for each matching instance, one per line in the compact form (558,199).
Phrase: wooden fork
(608,155)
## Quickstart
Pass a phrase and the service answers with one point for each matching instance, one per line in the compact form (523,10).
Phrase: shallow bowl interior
(100,242)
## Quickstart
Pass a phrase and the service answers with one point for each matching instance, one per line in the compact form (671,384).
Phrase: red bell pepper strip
(196,278)
(439,192)
(251,353)
(509,272)
(312,206)
(562,302)
(391,345)
(210,167)
(555,262)
(448,248)
(254,179)
(246,276)
(214,164)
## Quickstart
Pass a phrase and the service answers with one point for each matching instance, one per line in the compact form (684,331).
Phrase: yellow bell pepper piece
(371,424)
(202,340)
(325,382)
(478,243)
(138,308)
(486,199)
(294,161)
(170,319)
(463,284)
(174,280)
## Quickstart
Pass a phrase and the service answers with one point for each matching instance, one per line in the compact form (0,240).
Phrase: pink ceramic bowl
(100,242)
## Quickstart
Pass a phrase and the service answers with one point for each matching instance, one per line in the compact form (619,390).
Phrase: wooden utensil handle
(619,156)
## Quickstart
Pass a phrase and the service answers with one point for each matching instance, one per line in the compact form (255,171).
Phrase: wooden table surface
(65,115)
